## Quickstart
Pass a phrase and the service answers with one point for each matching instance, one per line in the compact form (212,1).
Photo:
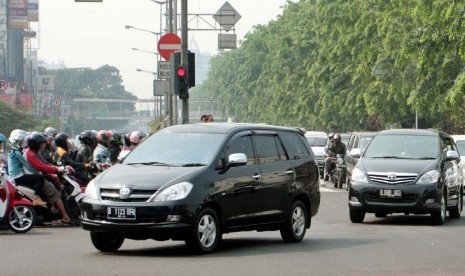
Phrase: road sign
(161,87)
(3,85)
(227,16)
(164,69)
(168,43)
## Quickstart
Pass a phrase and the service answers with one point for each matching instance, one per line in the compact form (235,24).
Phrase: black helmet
(61,140)
(35,139)
(86,137)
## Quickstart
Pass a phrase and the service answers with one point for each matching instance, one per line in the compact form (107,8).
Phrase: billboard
(17,14)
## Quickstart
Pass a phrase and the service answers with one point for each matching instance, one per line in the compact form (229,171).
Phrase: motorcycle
(16,210)
(338,172)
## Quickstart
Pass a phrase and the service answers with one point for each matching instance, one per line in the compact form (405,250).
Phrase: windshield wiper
(388,157)
(193,165)
(149,163)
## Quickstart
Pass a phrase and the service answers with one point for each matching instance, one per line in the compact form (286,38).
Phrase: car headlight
(91,190)
(358,176)
(173,192)
(429,177)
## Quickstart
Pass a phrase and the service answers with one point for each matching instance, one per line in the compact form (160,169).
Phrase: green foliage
(12,119)
(344,65)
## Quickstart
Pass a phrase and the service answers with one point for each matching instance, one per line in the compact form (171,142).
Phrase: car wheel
(21,218)
(106,242)
(347,182)
(456,210)
(356,215)
(294,228)
(439,216)
(206,232)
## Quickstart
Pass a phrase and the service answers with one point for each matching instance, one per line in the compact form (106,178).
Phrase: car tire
(206,232)
(106,242)
(356,215)
(347,182)
(295,226)
(439,217)
(455,211)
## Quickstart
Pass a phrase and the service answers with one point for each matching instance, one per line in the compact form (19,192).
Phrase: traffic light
(181,74)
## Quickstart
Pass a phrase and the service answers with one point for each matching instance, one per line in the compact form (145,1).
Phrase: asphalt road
(396,245)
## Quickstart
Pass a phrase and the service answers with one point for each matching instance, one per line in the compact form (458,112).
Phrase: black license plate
(121,213)
(388,193)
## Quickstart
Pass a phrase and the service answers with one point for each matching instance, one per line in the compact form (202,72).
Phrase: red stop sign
(168,43)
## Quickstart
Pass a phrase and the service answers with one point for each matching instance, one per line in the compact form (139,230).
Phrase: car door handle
(290,172)
(256,176)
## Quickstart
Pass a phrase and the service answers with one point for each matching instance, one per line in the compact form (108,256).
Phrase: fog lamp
(173,218)
(430,201)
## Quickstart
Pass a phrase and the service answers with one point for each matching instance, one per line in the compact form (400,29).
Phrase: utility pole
(184,59)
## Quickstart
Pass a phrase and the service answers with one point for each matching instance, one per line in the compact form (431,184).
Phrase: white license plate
(388,193)
(121,213)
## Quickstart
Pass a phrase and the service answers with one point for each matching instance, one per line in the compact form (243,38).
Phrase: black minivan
(195,182)
(407,171)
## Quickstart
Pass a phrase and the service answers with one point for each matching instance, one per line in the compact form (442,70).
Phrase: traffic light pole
(184,59)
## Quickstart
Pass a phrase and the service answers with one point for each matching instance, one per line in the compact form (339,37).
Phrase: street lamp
(145,51)
(145,71)
(140,29)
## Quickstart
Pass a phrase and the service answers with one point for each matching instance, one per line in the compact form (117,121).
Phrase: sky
(94,34)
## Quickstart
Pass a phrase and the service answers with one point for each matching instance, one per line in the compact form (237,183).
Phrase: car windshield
(403,146)
(317,141)
(176,149)
(461,146)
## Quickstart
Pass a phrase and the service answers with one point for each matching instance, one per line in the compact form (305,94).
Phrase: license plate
(121,213)
(387,193)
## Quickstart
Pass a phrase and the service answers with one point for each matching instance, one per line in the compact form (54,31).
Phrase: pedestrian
(210,118)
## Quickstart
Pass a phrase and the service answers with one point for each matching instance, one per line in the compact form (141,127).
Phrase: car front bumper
(415,198)
(152,221)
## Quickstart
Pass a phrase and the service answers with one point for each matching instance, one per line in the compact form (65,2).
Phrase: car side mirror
(355,152)
(237,159)
(452,155)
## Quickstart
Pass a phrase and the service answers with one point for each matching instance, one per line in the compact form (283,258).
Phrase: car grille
(393,178)
(136,195)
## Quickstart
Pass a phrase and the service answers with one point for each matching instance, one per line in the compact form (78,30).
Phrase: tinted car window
(267,150)
(296,149)
(403,146)
(242,145)
(176,148)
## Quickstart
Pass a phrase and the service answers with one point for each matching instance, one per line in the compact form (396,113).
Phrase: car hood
(318,151)
(143,176)
(378,165)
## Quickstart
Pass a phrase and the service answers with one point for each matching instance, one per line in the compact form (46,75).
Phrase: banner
(17,14)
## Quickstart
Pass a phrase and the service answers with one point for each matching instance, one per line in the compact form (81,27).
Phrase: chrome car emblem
(124,193)
(391,177)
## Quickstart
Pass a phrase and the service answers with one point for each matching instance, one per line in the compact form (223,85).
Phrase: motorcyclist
(335,148)
(115,146)
(62,157)
(2,150)
(36,143)
(18,166)
(101,155)
(135,138)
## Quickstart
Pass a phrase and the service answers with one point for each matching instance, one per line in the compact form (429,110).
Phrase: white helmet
(17,136)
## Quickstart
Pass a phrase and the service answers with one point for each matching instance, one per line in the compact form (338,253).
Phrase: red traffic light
(181,72)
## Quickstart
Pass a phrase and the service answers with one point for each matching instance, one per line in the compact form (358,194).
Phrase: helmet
(35,139)
(137,136)
(50,131)
(117,138)
(17,136)
(331,135)
(337,137)
(2,138)
(61,140)
(104,136)
(86,137)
